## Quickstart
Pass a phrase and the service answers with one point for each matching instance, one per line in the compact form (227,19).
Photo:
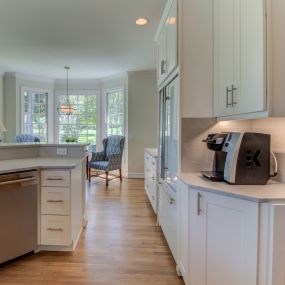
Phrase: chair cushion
(100,165)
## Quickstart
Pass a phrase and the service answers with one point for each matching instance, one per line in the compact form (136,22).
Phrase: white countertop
(13,165)
(258,193)
(12,145)
(152,151)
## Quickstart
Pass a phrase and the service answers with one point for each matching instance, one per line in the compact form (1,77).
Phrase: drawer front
(55,178)
(55,230)
(55,201)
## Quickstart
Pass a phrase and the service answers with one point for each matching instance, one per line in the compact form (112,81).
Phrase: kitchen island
(61,191)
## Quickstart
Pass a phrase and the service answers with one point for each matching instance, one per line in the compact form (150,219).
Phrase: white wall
(1,96)
(142,118)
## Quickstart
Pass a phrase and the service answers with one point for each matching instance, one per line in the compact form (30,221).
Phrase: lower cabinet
(223,240)
(61,208)
(167,216)
(55,230)
(183,196)
(150,180)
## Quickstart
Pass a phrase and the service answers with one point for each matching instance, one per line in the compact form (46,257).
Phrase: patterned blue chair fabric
(111,157)
(26,138)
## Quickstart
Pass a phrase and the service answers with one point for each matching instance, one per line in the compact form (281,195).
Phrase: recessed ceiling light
(141,21)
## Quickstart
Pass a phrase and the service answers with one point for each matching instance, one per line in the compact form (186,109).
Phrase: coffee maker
(240,158)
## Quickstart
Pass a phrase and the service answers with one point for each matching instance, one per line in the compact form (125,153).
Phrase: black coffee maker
(240,158)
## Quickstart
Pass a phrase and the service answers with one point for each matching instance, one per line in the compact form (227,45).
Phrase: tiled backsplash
(197,157)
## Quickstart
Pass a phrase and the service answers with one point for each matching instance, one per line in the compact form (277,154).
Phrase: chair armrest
(97,156)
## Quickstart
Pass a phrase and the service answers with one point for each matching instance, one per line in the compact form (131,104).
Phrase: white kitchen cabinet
(183,209)
(150,184)
(167,216)
(167,41)
(240,57)
(223,240)
(61,208)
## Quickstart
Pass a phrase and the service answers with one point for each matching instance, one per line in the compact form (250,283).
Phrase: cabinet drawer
(57,178)
(55,230)
(55,201)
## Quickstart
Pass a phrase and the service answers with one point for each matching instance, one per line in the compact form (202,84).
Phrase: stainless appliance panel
(169,132)
(18,214)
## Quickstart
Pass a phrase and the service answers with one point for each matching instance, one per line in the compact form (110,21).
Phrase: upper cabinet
(167,41)
(240,57)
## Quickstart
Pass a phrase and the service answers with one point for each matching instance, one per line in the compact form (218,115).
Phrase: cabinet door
(227,56)
(223,240)
(240,76)
(167,216)
(183,228)
(171,37)
(253,54)
(161,56)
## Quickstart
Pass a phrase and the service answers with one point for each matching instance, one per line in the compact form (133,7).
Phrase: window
(35,115)
(80,126)
(115,112)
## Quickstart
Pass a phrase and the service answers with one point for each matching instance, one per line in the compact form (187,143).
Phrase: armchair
(109,159)
(24,138)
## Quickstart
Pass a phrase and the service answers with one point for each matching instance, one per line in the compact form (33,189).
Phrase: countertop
(257,193)
(13,165)
(152,151)
(18,145)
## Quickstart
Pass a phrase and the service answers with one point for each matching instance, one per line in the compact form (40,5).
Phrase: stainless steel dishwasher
(18,214)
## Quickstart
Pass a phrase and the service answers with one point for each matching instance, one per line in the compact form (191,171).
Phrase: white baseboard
(135,175)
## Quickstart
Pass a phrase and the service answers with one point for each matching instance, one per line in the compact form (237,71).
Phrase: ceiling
(96,38)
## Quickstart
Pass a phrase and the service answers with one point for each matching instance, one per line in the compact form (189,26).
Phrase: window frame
(49,109)
(105,117)
(76,93)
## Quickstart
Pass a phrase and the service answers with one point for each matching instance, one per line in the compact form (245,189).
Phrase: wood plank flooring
(121,245)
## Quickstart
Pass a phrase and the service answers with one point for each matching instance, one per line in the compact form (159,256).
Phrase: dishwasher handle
(18,181)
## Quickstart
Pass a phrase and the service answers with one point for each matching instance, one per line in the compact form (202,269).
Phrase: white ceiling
(96,38)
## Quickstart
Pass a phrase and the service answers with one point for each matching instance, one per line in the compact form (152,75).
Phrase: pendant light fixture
(66,108)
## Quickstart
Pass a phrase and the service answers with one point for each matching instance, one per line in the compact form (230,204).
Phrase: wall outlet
(61,151)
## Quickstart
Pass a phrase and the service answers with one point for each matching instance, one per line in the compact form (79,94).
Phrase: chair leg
(107,178)
(89,174)
(120,175)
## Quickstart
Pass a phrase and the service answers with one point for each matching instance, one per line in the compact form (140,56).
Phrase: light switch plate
(61,151)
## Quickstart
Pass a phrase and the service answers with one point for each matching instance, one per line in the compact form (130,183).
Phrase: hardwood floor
(121,245)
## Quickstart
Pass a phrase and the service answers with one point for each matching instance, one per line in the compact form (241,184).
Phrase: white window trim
(79,92)
(50,113)
(104,115)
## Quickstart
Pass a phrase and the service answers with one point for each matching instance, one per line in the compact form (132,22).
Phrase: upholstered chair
(23,138)
(109,159)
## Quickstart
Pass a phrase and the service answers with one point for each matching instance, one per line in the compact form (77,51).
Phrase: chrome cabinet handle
(199,210)
(55,229)
(55,178)
(55,201)
(228,91)
(233,91)
(163,67)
